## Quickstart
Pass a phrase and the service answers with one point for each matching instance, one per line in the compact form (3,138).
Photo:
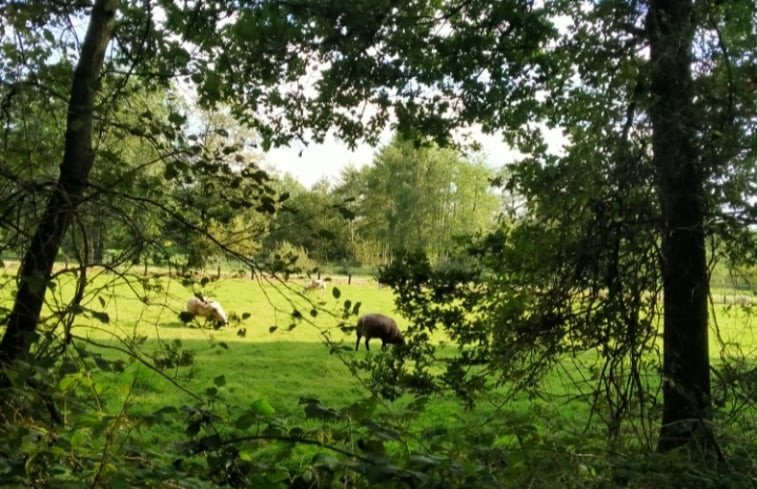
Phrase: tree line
(409,198)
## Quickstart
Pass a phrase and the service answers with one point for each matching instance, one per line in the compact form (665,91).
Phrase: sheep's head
(217,313)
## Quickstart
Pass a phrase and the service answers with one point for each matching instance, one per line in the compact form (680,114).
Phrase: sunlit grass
(272,355)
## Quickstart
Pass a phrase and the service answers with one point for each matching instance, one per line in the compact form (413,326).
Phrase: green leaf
(324,460)
(220,381)
(170,172)
(210,442)
(176,119)
(118,481)
(246,455)
(271,329)
(274,430)
(102,363)
(101,316)
(266,207)
(193,428)
(263,408)
(166,410)
(68,381)
(346,213)
(246,420)
(336,292)
(426,460)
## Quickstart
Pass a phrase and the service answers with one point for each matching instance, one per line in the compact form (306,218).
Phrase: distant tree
(310,219)
(421,198)
(220,190)
(347,193)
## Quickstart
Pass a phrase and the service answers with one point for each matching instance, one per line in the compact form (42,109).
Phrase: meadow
(282,347)
(273,348)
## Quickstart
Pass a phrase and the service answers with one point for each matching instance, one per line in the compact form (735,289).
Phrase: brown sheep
(378,326)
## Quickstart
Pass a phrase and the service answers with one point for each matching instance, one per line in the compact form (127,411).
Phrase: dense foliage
(131,133)
(608,247)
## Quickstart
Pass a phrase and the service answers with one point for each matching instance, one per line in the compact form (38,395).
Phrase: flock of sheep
(372,325)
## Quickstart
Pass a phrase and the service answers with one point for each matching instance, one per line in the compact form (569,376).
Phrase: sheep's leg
(357,345)
(367,338)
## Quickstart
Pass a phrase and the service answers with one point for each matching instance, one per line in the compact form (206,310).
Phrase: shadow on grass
(236,373)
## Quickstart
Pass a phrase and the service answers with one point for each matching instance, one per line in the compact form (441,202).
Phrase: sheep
(315,284)
(207,308)
(378,326)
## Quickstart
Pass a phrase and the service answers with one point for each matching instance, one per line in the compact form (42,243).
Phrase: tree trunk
(686,368)
(78,156)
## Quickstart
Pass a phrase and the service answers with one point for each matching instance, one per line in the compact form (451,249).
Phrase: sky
(316,161)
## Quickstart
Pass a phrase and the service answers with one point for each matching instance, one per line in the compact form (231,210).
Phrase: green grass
(284,365)
(280,365)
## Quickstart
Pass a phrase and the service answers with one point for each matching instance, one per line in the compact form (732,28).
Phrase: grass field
(261,356)
(268,356)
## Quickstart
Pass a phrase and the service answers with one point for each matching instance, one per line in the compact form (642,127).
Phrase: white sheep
(315,284)
(207,308)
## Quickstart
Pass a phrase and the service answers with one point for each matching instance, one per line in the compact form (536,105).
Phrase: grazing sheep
(207,308)
(315,284)
(378,326)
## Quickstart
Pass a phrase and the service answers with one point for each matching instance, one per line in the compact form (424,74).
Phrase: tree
(100,103)
(618,219)
(348,190)
(421,198)
(219,189)
(310,220)
(687,404)
(77,162)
